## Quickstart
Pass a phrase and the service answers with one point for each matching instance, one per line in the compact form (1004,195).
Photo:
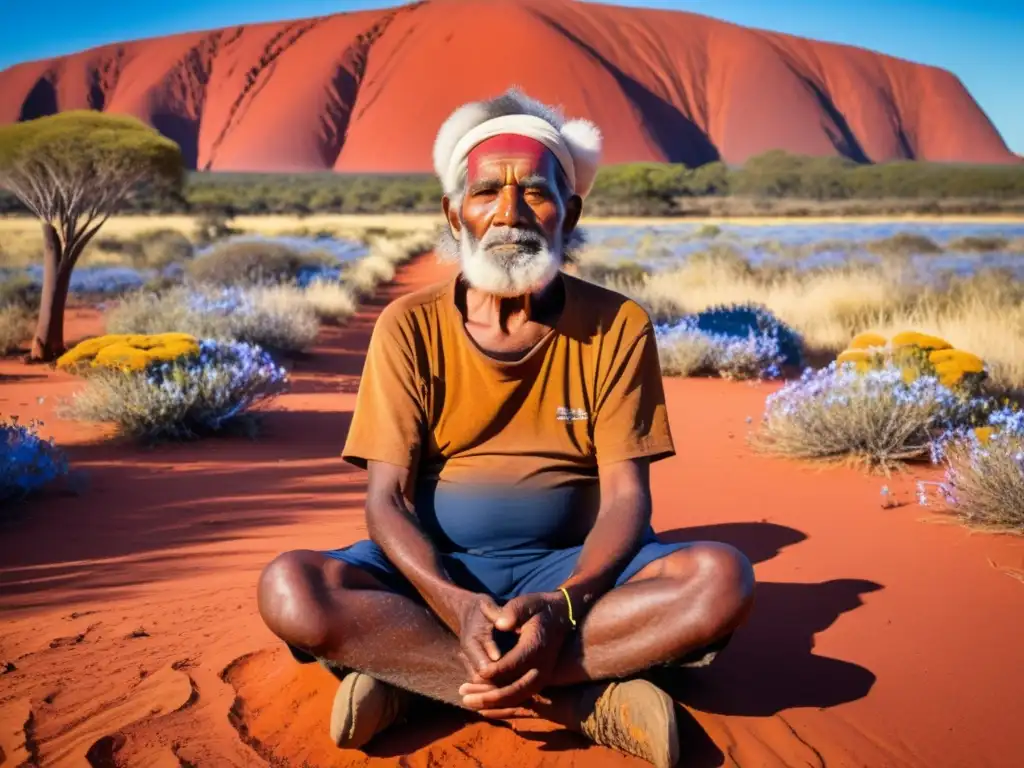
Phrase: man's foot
(363,707)
(635,717)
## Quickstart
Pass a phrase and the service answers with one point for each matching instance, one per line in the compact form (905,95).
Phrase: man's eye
(537,193)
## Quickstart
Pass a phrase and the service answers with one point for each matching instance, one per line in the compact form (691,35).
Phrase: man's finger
(470,688)
(512,614)
(506,714)
(490,609)
(491,647)
(510,696)
(527,645)
(476,655)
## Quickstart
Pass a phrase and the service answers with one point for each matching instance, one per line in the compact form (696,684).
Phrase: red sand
(367,91)
(130,613)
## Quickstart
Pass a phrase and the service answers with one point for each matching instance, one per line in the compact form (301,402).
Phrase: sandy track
(130,616)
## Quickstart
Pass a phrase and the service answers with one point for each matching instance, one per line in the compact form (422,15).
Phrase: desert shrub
(275,317)
(15,328)
(126,352)
(20,290)
(978,243)
(876,417)
(983,483)
(332,301)
(27,462)
(604,273)
(213,390)
(736,342)
(904,244)
(246,262)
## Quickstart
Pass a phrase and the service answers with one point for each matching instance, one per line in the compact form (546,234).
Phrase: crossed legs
(674,606)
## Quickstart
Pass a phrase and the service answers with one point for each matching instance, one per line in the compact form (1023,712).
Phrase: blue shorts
(502,576)
(502,542)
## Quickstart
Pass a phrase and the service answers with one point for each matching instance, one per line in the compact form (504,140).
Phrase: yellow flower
(919,340)
(984,434)
(956,358)
(861,359)
(128,352)
(867,341)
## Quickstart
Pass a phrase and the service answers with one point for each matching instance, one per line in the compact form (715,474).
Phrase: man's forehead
(506,148)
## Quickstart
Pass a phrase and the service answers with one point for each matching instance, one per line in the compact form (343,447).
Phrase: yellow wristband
(568,602)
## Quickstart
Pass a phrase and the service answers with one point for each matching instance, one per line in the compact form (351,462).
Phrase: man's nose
(507,213)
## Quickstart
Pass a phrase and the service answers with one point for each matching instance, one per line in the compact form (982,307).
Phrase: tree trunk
(48,342)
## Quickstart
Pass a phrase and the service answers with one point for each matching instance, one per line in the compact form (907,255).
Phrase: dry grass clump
(275,317)
(333,302)
(15,328)
(978,243)
(876,417)
(386,254)
(984,482)
(256,263)
(904,244)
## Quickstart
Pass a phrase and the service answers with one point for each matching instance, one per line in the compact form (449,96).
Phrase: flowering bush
(984,478)
(737,342)
(276,317)
(916,354)
(128,352)
(205,393)
(875,416)
(27,462)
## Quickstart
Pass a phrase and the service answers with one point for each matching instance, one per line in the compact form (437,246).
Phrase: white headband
(520,125)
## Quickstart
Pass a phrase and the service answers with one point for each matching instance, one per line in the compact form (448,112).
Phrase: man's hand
(476,617)
(503,685)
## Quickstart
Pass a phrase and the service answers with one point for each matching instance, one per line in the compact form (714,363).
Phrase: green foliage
(626,189)
(86,152)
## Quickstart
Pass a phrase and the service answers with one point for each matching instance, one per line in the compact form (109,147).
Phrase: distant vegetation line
(774,183)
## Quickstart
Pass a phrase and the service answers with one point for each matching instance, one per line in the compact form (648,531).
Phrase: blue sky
(981,41)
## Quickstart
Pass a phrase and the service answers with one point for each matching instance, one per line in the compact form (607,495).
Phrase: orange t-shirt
(432,400)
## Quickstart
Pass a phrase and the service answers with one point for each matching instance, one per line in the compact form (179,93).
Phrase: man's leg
(675,605)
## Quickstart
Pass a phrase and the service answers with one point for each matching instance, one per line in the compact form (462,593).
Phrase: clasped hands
(500,684)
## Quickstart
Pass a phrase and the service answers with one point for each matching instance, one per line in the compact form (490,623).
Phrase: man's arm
(393,526)
(618,531)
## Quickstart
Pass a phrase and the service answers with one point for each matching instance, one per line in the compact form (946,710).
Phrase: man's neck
(507,314)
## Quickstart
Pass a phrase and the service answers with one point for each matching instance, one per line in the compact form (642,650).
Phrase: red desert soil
(367,91)
(130,615)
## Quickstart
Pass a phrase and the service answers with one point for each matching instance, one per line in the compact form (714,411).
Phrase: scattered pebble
(140,632)
(7,666)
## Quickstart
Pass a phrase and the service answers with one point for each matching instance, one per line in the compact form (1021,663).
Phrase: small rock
(140,632)
(7,666)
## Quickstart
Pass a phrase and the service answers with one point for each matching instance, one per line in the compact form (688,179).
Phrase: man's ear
(573,211)
(454,224)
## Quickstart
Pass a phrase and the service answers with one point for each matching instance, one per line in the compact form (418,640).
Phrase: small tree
(73,170)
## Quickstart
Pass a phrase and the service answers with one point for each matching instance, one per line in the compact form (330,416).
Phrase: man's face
(513,220)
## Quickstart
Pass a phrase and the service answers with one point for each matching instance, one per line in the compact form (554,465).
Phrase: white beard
(524,273)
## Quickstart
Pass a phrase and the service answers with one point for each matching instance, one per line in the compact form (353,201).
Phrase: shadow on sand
(769,667)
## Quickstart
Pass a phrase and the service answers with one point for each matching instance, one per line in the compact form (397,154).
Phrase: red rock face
(367,91)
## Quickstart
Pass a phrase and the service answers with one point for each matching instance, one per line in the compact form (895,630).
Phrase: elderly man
(507,419)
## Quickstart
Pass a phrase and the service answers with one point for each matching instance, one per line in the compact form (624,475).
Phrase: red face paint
(506,147)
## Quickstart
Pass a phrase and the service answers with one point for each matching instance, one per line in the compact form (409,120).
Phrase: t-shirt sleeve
(631,419)
(387,423)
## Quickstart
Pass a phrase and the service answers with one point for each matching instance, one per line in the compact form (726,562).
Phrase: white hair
(577,141)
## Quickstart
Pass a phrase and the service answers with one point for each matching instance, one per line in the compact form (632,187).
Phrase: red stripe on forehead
(505,146)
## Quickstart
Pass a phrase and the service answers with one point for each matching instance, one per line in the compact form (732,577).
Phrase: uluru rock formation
(367,91)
